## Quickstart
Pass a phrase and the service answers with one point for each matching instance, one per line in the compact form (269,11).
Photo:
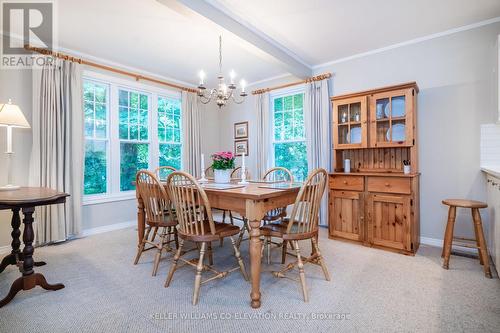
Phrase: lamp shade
(11,115)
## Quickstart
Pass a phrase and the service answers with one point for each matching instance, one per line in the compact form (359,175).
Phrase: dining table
(252,201)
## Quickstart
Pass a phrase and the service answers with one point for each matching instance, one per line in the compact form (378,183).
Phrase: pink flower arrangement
(223,160)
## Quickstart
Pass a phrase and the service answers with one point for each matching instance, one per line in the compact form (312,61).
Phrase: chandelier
(223,93)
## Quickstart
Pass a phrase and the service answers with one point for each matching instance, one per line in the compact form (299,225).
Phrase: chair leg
(240,261)
(476,216)
(174,264)
(168,234)
(141,246)
(283,252)
(199,269)
(154,234)
(165,234)
(302,275)
(448,238)
(210,254)
(320,259)
(157,259)
(268,243)
(176,237)
(240,236)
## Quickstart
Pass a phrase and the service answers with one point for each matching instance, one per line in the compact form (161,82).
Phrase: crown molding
(122,66)
(410,42)
(272,78)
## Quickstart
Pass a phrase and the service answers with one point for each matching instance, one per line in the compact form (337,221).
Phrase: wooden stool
(479,242)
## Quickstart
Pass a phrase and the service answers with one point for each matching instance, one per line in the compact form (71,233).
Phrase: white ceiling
(319,31)
(175,42)
(147,35)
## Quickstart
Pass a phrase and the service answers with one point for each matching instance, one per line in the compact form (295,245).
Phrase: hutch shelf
(376,203)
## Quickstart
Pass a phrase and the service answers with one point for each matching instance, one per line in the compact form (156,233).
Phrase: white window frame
(278,94)
(99,196)
(115,83)
(169,142)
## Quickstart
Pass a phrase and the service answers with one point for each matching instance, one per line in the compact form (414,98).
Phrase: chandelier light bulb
(243,84)
(232,75)
(202,77)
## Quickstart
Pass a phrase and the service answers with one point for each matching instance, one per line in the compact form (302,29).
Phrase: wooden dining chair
(303,225)
(276,174)
(157,206)
(196,224)
(163,172)
(236,173)
(209,172)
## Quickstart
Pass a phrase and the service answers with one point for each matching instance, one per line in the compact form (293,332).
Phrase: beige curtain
(263,134)
(317,123)
(191,120)
(57,151)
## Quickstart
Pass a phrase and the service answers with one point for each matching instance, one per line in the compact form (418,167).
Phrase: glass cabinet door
(350,123)
(391,123)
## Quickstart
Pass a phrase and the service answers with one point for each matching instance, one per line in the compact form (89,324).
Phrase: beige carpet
(371,291)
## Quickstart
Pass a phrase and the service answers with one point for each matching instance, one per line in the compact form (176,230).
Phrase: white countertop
(492,170)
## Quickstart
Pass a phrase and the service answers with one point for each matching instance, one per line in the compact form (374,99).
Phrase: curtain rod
(107,68)
(311,79)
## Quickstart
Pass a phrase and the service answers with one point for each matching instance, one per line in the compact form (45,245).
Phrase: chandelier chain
(220,54)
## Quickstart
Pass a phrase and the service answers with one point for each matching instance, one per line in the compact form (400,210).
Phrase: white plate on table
(221,186)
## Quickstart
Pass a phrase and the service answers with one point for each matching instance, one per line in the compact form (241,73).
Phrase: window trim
(107,140)
(279,94)
(115,83)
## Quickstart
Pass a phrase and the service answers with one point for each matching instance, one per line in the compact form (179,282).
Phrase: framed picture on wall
(241,147)
(241,130)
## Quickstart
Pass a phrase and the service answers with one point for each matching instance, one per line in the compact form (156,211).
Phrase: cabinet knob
(345,181)
(387,184)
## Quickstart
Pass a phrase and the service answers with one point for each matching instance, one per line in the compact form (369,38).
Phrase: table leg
(141,218)
(16,255)
(30,279)
(255,262)
(13,257)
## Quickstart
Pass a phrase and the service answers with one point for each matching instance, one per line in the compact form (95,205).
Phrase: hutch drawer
(351,183)
(389,185)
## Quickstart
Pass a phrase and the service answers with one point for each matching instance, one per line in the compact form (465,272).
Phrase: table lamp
(11,116)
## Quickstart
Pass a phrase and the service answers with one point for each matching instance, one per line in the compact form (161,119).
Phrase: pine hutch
(376,203)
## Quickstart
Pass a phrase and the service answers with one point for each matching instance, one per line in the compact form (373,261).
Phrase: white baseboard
(106,228)
(439,243)
(5,249)
(89,232)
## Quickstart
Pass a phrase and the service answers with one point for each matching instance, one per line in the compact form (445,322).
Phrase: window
(169,132)
(128,126)
(289,139)
(133,133)
(95,99)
